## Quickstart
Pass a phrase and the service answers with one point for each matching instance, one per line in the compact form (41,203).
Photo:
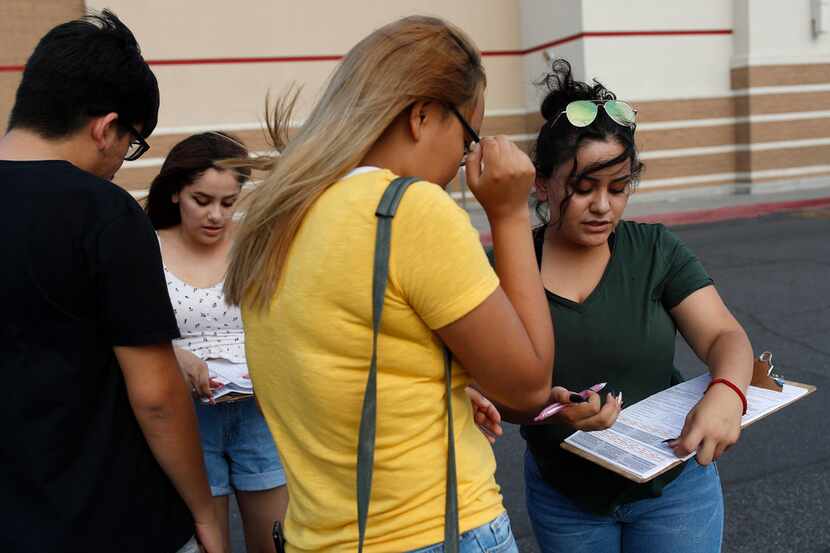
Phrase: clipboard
(763,377)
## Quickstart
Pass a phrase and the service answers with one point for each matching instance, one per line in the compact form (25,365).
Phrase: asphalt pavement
(773,272)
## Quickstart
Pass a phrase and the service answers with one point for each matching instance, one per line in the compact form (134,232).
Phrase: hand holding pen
(583,410)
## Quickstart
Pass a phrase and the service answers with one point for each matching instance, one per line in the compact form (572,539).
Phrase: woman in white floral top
(191,205)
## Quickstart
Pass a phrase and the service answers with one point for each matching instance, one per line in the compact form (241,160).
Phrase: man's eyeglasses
(138,146)
(468,129)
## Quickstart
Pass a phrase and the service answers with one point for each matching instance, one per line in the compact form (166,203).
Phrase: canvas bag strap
(368,420)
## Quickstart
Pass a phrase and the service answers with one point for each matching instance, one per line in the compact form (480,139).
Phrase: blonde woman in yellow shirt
(405,101)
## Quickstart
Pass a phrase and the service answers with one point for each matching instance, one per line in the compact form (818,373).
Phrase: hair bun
(563,89)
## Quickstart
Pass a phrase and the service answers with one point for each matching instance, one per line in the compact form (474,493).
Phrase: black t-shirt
(622,334)
(81,274)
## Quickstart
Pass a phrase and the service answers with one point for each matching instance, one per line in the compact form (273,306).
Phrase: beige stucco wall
(747,104)
(233,94)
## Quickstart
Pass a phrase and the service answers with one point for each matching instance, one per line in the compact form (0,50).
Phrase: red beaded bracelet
(731,385)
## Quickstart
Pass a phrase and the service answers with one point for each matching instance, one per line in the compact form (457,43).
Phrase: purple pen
(554,408)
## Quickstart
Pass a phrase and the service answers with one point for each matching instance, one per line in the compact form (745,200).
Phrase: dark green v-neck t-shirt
(622,334)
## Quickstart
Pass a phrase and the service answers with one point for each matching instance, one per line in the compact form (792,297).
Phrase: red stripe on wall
(486,53)
(557,42)
(606,34)
(274,59)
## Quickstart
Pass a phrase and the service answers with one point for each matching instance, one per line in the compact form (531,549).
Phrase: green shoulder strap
(368,419)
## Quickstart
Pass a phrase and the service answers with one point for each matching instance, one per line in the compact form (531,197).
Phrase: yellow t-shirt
(308,356)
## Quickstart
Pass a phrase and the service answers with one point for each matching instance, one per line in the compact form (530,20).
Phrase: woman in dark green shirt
(619,291)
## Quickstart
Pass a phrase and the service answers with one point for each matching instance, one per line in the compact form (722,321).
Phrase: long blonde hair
(411,59)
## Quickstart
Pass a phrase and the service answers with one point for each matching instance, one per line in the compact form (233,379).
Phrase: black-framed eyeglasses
(138,146)
(468,129)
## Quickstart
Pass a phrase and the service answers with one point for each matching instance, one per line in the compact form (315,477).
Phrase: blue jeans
(494,537)
(687,518)
(239,451)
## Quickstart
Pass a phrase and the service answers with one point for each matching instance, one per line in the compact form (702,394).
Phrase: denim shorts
(686,518)
(239,451)
(494,537)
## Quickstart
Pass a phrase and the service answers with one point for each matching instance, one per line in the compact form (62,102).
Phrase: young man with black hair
(100,448)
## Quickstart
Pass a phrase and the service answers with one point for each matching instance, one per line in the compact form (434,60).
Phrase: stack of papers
(634,447)
(233,378)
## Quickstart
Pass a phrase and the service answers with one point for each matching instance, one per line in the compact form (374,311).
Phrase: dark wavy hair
(187,161)
(559,141)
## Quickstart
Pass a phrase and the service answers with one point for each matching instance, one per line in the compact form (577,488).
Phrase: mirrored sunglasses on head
(581,113)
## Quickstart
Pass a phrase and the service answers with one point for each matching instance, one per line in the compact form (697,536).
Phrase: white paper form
(762,402)
(233,377)
(634,445)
